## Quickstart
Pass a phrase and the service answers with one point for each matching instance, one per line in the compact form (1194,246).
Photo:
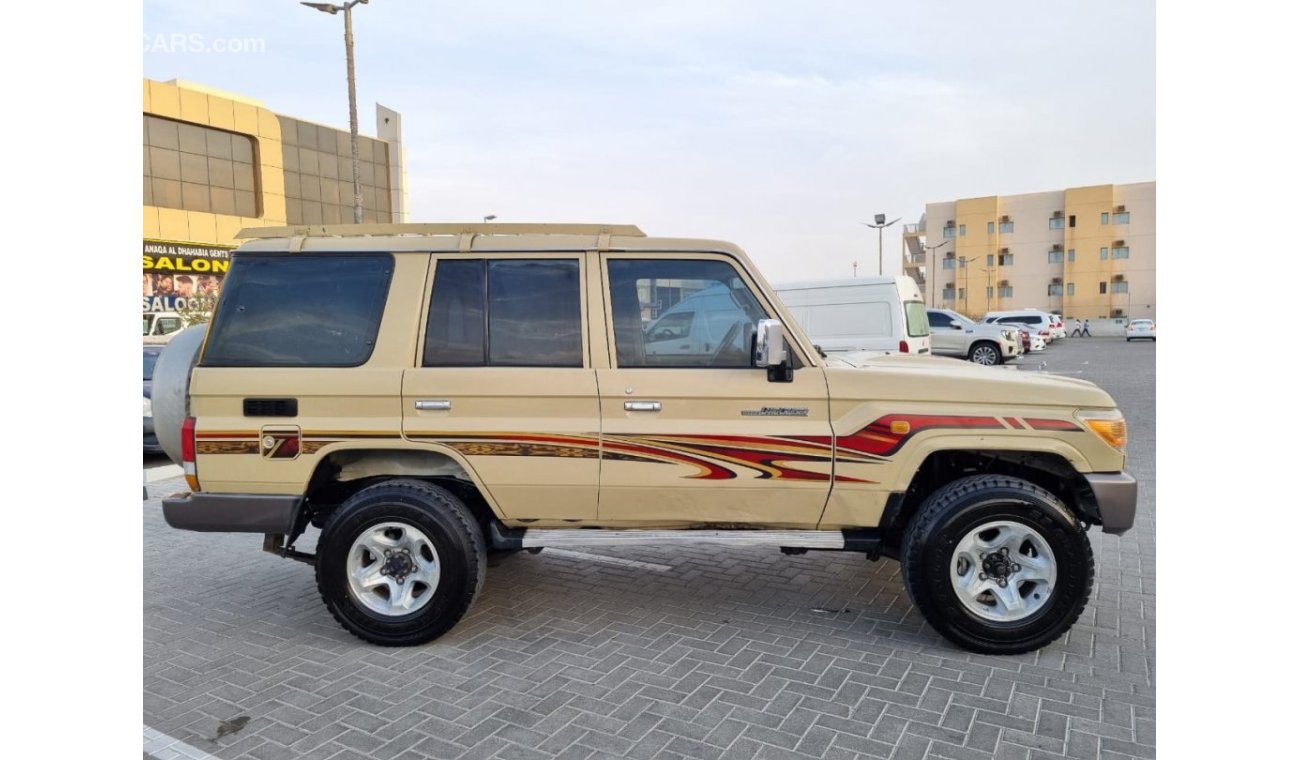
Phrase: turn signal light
(1109,425)
(187,454)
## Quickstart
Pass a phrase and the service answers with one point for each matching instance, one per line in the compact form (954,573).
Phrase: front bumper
(1116,494)
(232,512)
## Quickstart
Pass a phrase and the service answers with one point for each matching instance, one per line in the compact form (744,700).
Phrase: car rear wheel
(986,354)
(997,565)
(399,563)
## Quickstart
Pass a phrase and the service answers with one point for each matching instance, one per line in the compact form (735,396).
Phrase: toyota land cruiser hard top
(425,394)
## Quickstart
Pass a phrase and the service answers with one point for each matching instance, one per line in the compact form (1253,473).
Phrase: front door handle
(427,405)
(642,406)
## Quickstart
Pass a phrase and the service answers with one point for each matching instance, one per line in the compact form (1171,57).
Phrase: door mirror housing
(769,344)
(955,325)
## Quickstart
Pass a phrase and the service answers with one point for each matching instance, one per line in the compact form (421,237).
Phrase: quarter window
(305,310)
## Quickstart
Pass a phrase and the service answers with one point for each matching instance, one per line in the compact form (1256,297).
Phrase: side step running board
(864,540)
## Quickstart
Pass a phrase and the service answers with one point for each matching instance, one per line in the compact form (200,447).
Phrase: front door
(697,435)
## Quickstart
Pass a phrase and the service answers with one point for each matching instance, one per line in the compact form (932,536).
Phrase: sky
(778,126)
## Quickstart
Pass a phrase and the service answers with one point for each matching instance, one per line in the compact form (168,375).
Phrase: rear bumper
(232,513)
(1116,494)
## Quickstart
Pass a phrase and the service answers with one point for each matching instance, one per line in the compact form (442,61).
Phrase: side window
(505,313)
(304,310)
(939,320)
(656,302)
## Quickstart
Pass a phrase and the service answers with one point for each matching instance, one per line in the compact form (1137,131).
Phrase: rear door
(504,378)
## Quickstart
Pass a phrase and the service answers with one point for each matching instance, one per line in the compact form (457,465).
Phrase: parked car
(1030,339)
(954,334)
(860,313)
(159,326)
(1058,326)
(1141,329)
(150,439)
(1041,322)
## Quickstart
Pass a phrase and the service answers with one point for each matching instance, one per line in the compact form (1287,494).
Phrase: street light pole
(880,226)
(352,96)
(932,262)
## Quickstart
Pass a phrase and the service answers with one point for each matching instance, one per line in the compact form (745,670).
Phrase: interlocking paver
(721,655)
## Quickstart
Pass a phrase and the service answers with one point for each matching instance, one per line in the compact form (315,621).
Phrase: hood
(904,377)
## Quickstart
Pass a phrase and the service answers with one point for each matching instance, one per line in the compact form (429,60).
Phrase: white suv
(953,334)
(1038,320)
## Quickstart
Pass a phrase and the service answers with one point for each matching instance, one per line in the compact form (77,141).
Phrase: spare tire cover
(171,387)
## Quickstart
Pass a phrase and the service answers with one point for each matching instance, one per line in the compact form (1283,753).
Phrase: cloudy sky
(776,125)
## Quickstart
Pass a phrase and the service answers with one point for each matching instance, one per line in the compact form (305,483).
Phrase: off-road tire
(986,349)
(955,510)
(434,513)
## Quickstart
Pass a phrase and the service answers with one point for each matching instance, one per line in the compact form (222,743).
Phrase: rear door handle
(428,405)
(642,406)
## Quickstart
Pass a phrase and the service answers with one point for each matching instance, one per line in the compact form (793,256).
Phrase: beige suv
(425,394)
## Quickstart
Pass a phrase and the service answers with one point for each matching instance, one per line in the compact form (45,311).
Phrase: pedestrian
(1078,328)
(1085,329)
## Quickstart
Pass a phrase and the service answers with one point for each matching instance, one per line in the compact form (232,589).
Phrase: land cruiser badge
(776,411)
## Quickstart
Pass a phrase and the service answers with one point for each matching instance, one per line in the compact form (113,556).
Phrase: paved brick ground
(725,654)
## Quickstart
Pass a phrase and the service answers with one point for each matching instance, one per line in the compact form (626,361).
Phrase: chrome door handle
(642,406)
(425,405)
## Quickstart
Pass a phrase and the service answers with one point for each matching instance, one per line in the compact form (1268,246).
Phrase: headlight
(148,408)
(1108,424)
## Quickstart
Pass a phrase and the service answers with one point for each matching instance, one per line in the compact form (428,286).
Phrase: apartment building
(1085,252)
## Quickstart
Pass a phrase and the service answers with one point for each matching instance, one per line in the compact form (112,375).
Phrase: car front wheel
(986,354)
(997,565)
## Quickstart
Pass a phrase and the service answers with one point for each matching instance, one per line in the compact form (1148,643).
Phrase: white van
(860,313)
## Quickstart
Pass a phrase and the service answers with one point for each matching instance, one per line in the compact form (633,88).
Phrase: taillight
(902,346)
(187,454)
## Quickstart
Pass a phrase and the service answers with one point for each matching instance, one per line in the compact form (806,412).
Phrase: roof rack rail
(358,230)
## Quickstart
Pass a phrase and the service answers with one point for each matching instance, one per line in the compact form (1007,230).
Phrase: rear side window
(304,310)
(505,313)
(918,325)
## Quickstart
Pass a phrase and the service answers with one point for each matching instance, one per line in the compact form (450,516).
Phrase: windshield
(150,359)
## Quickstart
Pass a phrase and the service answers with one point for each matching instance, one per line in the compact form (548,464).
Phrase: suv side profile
(424,394)
(954,334)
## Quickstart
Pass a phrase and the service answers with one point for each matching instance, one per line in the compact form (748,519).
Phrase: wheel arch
(1049,464)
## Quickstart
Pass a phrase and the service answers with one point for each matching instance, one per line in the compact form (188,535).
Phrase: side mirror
(769,343)
(955,325)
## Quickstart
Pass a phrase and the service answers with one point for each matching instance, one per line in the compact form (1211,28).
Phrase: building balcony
(913,229)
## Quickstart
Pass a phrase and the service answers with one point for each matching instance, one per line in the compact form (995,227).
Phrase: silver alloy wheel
(393,569)
(1003,571)
(984,354)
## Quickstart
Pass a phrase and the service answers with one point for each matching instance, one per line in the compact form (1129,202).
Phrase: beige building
(215,162)
(1085,252)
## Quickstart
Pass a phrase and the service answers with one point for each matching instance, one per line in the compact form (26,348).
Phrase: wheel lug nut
(983,577)
(1015,568)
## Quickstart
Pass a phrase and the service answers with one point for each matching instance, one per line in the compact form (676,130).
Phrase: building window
(1119,253)
(988,292)
(1103,288)
(1055,257)
(1006,259)
(961,293)
(1055,289)
(988,260)
(961,230)
(1105,217)
(990,228)
(950,263)
(1105,252)
(1070,255)
(1056,223)
(1069,288)
(1071,220)
(1004,291)
(949,294)
(1121,217)
(1007,227)
(949,232)
(1119,287)
(197,168)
